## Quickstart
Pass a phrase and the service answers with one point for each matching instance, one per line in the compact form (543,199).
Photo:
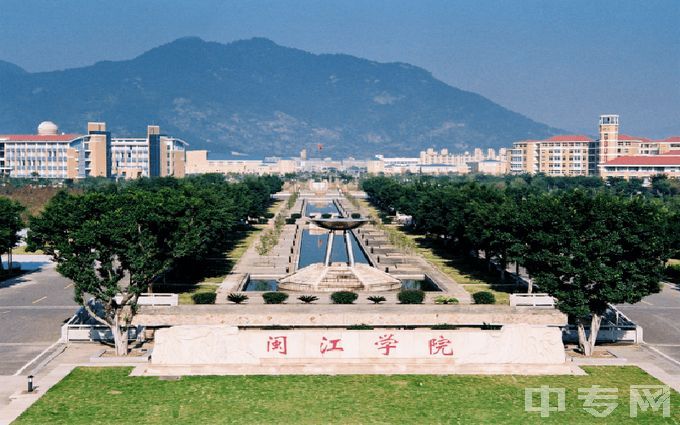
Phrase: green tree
(11,223)
(590,250)
(113,245)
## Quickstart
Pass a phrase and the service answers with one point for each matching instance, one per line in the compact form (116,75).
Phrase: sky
(560,62)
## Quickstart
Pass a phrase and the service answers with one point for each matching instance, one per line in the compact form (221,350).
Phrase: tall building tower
(609,137)
(153,138)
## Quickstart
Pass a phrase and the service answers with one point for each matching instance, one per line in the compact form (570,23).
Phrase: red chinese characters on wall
(441,346)
(386,343)
(330,345)
(277,344)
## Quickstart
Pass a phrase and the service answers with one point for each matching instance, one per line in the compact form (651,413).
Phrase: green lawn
(109,396)
(21,250)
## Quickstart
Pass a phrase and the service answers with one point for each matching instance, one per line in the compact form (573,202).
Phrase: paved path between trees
(32,309)
(659,316)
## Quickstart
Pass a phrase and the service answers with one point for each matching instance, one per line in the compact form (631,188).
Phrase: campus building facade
(611,155)
(569,155)
(49,154)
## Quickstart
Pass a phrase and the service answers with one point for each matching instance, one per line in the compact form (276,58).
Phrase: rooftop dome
(47,128)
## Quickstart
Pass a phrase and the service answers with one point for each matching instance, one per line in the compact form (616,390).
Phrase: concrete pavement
(32,309)
(659,316)
(13,396)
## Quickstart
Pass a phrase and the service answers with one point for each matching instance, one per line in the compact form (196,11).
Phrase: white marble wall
(214,344)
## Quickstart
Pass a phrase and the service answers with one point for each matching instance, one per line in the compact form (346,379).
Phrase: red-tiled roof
(629,137)
(660,160)
(671,139)
(570,138)
(39,137)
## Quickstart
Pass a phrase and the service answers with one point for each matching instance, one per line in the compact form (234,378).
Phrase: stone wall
(223,345)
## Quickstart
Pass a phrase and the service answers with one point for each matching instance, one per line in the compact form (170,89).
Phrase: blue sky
(562,62)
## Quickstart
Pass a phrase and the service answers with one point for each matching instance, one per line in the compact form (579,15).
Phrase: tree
(11,223)
(114,245)
(115,241)
(590,250)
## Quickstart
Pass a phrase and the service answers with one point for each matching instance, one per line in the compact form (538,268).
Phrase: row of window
(40,167)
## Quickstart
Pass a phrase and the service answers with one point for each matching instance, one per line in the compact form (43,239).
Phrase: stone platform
(331,368)
(330,315)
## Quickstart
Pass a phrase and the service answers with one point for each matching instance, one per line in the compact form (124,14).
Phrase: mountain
(10,69)
(259,98)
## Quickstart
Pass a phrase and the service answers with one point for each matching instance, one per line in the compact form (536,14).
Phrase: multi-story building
(569,155)
(642,166)
(45,153)
(443,157)
(621,155)
(612,154)
(49,154)
(197,162)
(157,155)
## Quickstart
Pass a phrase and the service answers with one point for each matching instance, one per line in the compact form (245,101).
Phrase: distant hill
(259,98)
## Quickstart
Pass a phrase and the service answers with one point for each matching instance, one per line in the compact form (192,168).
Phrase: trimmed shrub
(484,297)
(237,298)
(361,327)
(308,299)
(376,299)
(295,216)
(344,297)
(445,300)
(269,215)
(290,221)
(274,297)
(411,296)
(489,327)
(443,327)
(356,215)
(326,215)
(204,298)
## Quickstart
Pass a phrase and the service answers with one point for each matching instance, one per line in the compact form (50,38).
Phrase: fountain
(339,276)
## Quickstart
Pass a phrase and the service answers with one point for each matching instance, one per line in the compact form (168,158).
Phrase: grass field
(21,250)
(109,396)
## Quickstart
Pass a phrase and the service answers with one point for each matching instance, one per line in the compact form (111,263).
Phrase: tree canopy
(115,241)
(586,241)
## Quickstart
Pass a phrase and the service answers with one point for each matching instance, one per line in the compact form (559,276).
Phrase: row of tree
(115,241)
(587,247)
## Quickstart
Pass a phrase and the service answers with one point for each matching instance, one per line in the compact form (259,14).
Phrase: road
(32,309)
(659,316)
